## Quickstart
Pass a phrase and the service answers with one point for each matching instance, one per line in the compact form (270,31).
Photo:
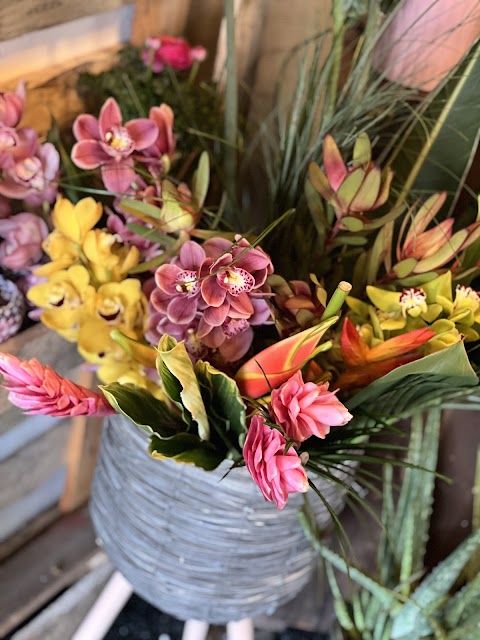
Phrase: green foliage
(205,421)
(397,605)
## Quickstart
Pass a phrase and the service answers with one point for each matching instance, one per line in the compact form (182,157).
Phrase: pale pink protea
(276,472)
(168,51)
(39,390)
(110,144)
(305,409)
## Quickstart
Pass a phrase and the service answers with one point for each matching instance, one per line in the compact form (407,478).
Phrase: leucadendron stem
(336,301)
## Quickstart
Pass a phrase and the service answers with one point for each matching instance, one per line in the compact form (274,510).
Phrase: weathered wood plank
(157,18)
(24,16)
(60,619)
(44,567)
(33,464)
(37,525)
(81,455)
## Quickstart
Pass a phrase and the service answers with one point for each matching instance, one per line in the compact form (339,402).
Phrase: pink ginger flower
(22,235)
(33,177)
(305,409)
(11,106)
(109,144)
(39,390)
(171,52)
(276,472)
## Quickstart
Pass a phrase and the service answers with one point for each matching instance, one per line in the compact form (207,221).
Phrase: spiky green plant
(401,602)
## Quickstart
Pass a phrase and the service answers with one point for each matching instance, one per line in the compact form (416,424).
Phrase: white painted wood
(195,630)
(105,610)
(241,630)
(57,45)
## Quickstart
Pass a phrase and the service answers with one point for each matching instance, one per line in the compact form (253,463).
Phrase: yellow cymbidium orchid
(64,299)
(121,304)
(74,221)
(137,377)
(109,260)
(62,252)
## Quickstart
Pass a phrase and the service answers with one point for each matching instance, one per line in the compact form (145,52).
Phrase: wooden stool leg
(195,630)
(241,630)
(105,610)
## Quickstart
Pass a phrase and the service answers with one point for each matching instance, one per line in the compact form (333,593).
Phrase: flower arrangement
(198,331)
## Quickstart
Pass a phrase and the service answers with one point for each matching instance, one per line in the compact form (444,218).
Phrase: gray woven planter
(193,544)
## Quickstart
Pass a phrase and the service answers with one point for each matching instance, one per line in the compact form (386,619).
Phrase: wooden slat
(203,31)
(30,531)
(24,16)
(59,620)
(33,464)
(157,18)
(44,567)
(81,455)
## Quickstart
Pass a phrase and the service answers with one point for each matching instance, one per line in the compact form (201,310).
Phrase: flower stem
(336,301)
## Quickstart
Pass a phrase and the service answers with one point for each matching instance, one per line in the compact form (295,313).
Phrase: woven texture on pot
(193,544)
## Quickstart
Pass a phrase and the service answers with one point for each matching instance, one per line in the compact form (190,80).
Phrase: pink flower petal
(182,309)
(85,127)
(143,132)
(118,177)
(88,154)
(110,116)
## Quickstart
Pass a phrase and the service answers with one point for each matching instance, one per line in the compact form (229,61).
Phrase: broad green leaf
(173,358)
(449,368)
(405,267)
(187,448)
(142,408)
(227,405)
(353,224)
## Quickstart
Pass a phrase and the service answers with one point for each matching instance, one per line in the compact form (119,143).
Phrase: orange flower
(366,364)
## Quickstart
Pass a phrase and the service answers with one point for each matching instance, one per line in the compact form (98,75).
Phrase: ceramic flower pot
(197,544)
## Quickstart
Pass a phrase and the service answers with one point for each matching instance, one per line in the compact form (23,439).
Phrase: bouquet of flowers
(281,345)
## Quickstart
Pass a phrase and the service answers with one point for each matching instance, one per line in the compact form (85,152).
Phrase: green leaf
(142,408)
(151,234)
(352,224)
(449,369)
(141,209)
(405,267)
(436,153)
(180,382)
(200,180)
(411,618)
(224,403)
(187,448)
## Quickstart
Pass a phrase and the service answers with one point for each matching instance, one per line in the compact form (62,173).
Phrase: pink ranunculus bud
(39,390)
(11,106)
(305,409)
(22,235)
(276,472)
(171,52)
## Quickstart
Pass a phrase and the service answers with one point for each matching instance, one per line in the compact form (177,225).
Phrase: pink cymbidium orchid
(33,178)
(11,106)
(110,144)
(21,246)
(39,390)
(160,154)
(276,470)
